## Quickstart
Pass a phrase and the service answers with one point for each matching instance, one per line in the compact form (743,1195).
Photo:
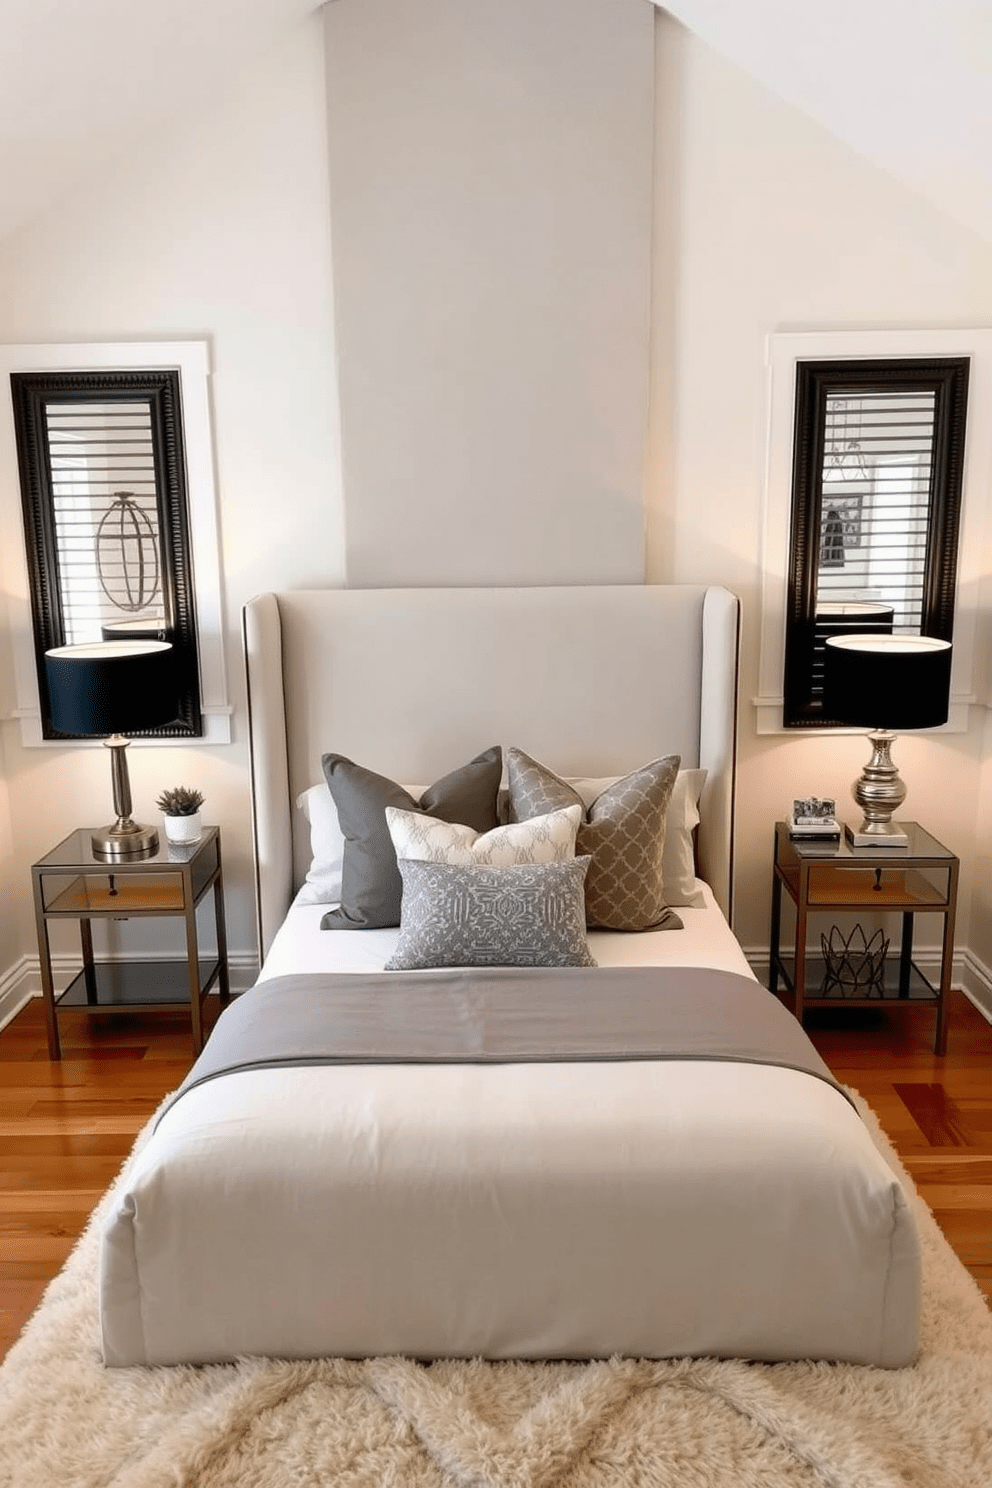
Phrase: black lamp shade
(891,682)
(111,687)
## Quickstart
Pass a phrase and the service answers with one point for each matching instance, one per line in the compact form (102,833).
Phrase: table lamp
(886,683)
(109,687)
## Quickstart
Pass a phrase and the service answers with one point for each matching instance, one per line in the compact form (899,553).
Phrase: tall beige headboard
(412,682)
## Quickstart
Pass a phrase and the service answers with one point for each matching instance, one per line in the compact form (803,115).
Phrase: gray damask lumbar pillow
(371,887)
(623,832)
(527,915)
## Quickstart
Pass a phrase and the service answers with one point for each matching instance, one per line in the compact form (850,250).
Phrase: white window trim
(191,360)
(783,349)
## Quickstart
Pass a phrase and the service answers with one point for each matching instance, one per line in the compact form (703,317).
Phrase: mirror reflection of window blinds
(106,518)
(875,499)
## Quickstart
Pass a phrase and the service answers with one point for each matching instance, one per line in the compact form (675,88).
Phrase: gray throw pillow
(530,914)
(371,887)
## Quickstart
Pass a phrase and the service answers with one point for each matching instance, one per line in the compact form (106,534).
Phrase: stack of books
(814,819)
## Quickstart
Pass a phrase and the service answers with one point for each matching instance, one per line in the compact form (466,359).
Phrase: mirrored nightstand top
(75,854)
(921,845)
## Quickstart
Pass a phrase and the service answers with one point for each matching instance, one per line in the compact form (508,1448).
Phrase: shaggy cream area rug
(66,1422)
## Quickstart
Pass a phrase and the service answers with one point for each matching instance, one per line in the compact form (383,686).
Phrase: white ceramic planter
(182,828)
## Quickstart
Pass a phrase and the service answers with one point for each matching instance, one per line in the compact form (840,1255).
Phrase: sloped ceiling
(83,82)
(907,86)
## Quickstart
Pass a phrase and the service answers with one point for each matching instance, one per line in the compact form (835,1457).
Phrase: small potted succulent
(180,808)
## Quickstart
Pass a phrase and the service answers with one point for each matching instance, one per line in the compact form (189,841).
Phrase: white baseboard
(976,983)
(16,986)
(23,980)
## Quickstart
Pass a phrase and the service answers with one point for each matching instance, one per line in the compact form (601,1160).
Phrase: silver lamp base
(879,791)
(870,835)
(124,840)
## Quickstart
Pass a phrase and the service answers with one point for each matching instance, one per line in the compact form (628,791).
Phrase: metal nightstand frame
(70,882)
(828,877)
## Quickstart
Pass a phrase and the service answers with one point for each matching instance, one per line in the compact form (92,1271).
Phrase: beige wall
(224,234)
(13,941)
(761,223)
(980,941)
(12,945)
(777,227)
(490,171)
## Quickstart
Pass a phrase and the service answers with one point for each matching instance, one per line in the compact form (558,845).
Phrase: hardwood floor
(65,1128)
(936,1112)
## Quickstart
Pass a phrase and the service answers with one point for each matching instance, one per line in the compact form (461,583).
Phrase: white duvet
(511,1211)
(705,940)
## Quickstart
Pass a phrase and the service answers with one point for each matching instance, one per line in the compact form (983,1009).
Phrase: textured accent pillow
(371,887)
(531,914)
(624,833)
(543,839)
(678,861)
(323,880)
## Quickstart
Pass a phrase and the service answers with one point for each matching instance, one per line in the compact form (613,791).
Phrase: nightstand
(827,878)
(71,882)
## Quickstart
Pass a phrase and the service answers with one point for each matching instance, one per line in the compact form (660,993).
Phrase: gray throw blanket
(506,1016)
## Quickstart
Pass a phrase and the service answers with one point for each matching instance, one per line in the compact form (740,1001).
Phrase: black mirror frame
(32,393)
(947,377)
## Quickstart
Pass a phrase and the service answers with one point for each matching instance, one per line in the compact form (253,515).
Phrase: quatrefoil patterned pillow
(623,832)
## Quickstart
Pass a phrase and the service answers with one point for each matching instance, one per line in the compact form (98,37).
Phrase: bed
(490,1180)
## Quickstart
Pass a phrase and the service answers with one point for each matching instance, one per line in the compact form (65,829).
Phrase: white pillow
(542,839)
(323,881)
(678,862)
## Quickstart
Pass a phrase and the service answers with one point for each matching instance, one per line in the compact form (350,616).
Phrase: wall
(11,869)
(980,928)
(761,222)
(490,176)
(914,98)
(222,231)
(778,227)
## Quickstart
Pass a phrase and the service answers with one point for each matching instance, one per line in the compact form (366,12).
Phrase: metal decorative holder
(854,966)
(127,560)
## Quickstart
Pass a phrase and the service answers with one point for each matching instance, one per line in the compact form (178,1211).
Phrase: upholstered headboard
(413,682)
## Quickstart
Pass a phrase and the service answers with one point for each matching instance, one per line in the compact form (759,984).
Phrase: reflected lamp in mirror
(886,683)
(113,688)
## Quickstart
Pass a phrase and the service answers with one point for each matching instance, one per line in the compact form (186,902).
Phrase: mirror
(878,462)
(103,487)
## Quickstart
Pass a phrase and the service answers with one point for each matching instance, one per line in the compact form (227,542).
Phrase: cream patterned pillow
(624,833)
(549,838)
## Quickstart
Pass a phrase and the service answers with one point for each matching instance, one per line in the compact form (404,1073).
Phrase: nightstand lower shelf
(133,984)
(918,989)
